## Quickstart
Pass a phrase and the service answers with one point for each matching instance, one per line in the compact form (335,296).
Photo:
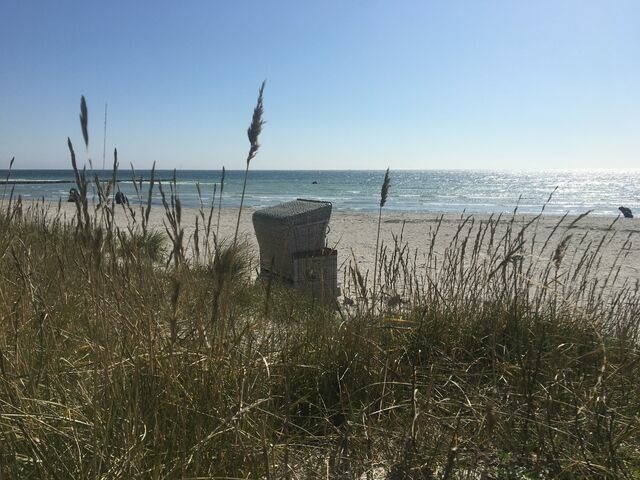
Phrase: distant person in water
(626,212)
(121,198)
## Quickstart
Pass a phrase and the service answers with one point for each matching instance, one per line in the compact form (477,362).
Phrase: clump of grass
(151,245)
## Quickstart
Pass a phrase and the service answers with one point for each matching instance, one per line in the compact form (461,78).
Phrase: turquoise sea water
(434,191)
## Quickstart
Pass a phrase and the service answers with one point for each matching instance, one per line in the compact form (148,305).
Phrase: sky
(415,84)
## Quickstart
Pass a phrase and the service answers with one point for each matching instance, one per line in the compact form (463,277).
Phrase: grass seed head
(84,120)
(253,132)
(560,250)
(384,192)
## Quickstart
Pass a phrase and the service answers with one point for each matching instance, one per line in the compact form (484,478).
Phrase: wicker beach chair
(289,229)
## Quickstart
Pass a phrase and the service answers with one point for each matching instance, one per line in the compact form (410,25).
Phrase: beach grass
(507,355)
(118,364)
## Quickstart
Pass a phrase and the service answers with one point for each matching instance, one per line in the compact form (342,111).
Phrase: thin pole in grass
(253,132)
(384,193)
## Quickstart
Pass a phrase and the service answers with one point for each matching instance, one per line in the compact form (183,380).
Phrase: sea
(430,191)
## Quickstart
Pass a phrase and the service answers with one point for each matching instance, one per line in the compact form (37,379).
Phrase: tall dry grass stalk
(4,189)
(81,201)
(173,221)
(253,133)
(220,202)
(206,226)
(384,193)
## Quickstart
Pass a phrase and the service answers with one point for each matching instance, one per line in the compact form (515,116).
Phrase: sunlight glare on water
(433,191)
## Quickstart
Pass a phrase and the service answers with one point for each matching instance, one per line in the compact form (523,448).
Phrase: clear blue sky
(350,84)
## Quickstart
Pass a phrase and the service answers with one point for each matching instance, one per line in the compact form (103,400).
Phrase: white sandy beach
(353,234)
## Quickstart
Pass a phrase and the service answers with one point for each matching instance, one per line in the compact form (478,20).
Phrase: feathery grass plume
(384,193)
(253,132)
(560,250)
(84,120)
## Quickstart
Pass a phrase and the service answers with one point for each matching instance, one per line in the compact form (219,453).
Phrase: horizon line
(475,169)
